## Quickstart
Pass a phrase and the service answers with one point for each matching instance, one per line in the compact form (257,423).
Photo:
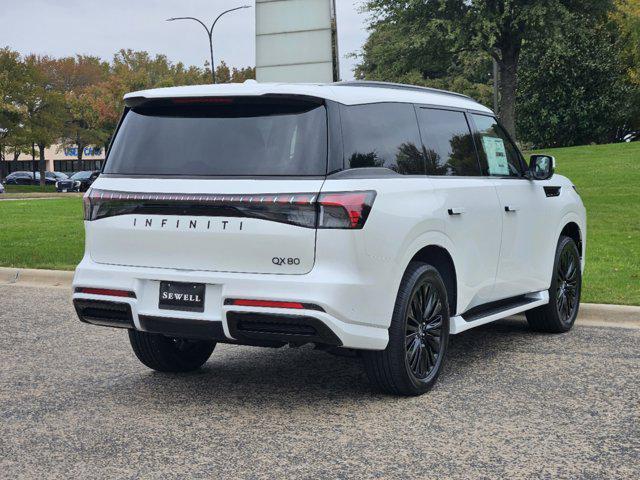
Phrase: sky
(102,27)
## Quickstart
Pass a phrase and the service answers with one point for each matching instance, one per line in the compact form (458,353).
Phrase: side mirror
(541,167)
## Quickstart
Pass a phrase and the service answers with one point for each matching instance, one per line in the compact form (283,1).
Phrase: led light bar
(341,210)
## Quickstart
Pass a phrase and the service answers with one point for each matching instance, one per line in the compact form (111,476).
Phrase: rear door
(224,185)
(469,202)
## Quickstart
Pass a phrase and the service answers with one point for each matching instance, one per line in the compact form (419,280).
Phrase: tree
(77,73)
(224,74)
(438,32)
(12,72)
(627,18)
(573,89)
(72,77)
(82,125)
(105,100)
(44,107)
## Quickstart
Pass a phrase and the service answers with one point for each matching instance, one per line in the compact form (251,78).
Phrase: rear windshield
(231,137)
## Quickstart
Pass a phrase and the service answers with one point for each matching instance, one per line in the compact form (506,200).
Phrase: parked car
(28,178)
(1,188)
(19,178)
(377,218)
(59,175)
(78,182)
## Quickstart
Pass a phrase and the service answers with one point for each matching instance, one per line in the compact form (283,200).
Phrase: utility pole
(209,32)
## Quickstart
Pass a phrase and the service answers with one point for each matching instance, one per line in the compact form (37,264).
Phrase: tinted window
(382,135)
(226,137)
(81,176)
(448,143)
(498,156)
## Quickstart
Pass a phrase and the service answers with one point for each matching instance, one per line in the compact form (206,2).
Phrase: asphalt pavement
(75,403)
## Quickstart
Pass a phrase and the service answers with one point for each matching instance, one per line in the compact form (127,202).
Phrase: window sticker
(496,155)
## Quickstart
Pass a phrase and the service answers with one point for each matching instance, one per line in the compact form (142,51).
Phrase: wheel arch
(440,258)
(572,230)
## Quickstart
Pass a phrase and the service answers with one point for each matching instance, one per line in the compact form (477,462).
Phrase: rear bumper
(329,325)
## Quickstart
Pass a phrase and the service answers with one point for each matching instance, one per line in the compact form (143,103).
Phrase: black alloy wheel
(424,330)
(560,313)
(418,335)
(567,281)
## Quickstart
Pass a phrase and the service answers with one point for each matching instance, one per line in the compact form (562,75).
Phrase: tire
(396,370)
(559,315)
(166,354)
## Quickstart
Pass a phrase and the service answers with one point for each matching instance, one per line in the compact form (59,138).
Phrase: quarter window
(498,155)
(448,144)
(382,135)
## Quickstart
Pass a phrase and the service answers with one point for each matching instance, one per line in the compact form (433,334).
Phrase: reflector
(105,291)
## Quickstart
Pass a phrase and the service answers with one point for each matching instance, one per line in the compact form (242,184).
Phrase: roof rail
(398,86)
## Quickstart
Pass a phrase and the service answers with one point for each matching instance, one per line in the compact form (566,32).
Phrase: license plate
(188,297)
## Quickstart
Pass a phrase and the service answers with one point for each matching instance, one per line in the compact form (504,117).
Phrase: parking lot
(75,403)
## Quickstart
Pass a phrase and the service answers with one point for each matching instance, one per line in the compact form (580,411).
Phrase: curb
(590,313)
(603,315)
(36,278)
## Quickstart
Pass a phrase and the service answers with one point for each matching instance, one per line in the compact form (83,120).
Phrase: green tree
(573,88)
(433,38)
(72,77)
(224,74)
(627,18)
(44,107)
(12,72)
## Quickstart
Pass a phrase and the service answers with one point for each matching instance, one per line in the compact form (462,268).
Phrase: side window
(382,135)
(448,143)
(498,156)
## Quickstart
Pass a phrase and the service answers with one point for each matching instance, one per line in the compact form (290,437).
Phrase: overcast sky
(102,27)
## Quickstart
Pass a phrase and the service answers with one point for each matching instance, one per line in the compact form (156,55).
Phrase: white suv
(373,217)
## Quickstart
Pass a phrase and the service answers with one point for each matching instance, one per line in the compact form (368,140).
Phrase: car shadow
(260,376)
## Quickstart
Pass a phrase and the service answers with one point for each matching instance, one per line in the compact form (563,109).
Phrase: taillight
(245,302)
(348,210)
(345,210)
(86,204)
(106,292)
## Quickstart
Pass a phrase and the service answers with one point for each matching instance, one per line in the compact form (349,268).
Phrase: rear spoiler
(134,102)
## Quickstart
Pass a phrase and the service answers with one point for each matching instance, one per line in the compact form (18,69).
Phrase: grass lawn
(49,233)
(29,188)
(41,233)
(608,179)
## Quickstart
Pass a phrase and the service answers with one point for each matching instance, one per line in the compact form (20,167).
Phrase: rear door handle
(456,211)
(510,208)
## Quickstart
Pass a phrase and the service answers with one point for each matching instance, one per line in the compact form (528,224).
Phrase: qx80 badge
(200,224)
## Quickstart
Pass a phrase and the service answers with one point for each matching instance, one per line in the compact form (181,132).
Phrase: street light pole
(209,32)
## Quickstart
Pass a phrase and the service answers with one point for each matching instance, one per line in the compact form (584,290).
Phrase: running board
(469,320)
